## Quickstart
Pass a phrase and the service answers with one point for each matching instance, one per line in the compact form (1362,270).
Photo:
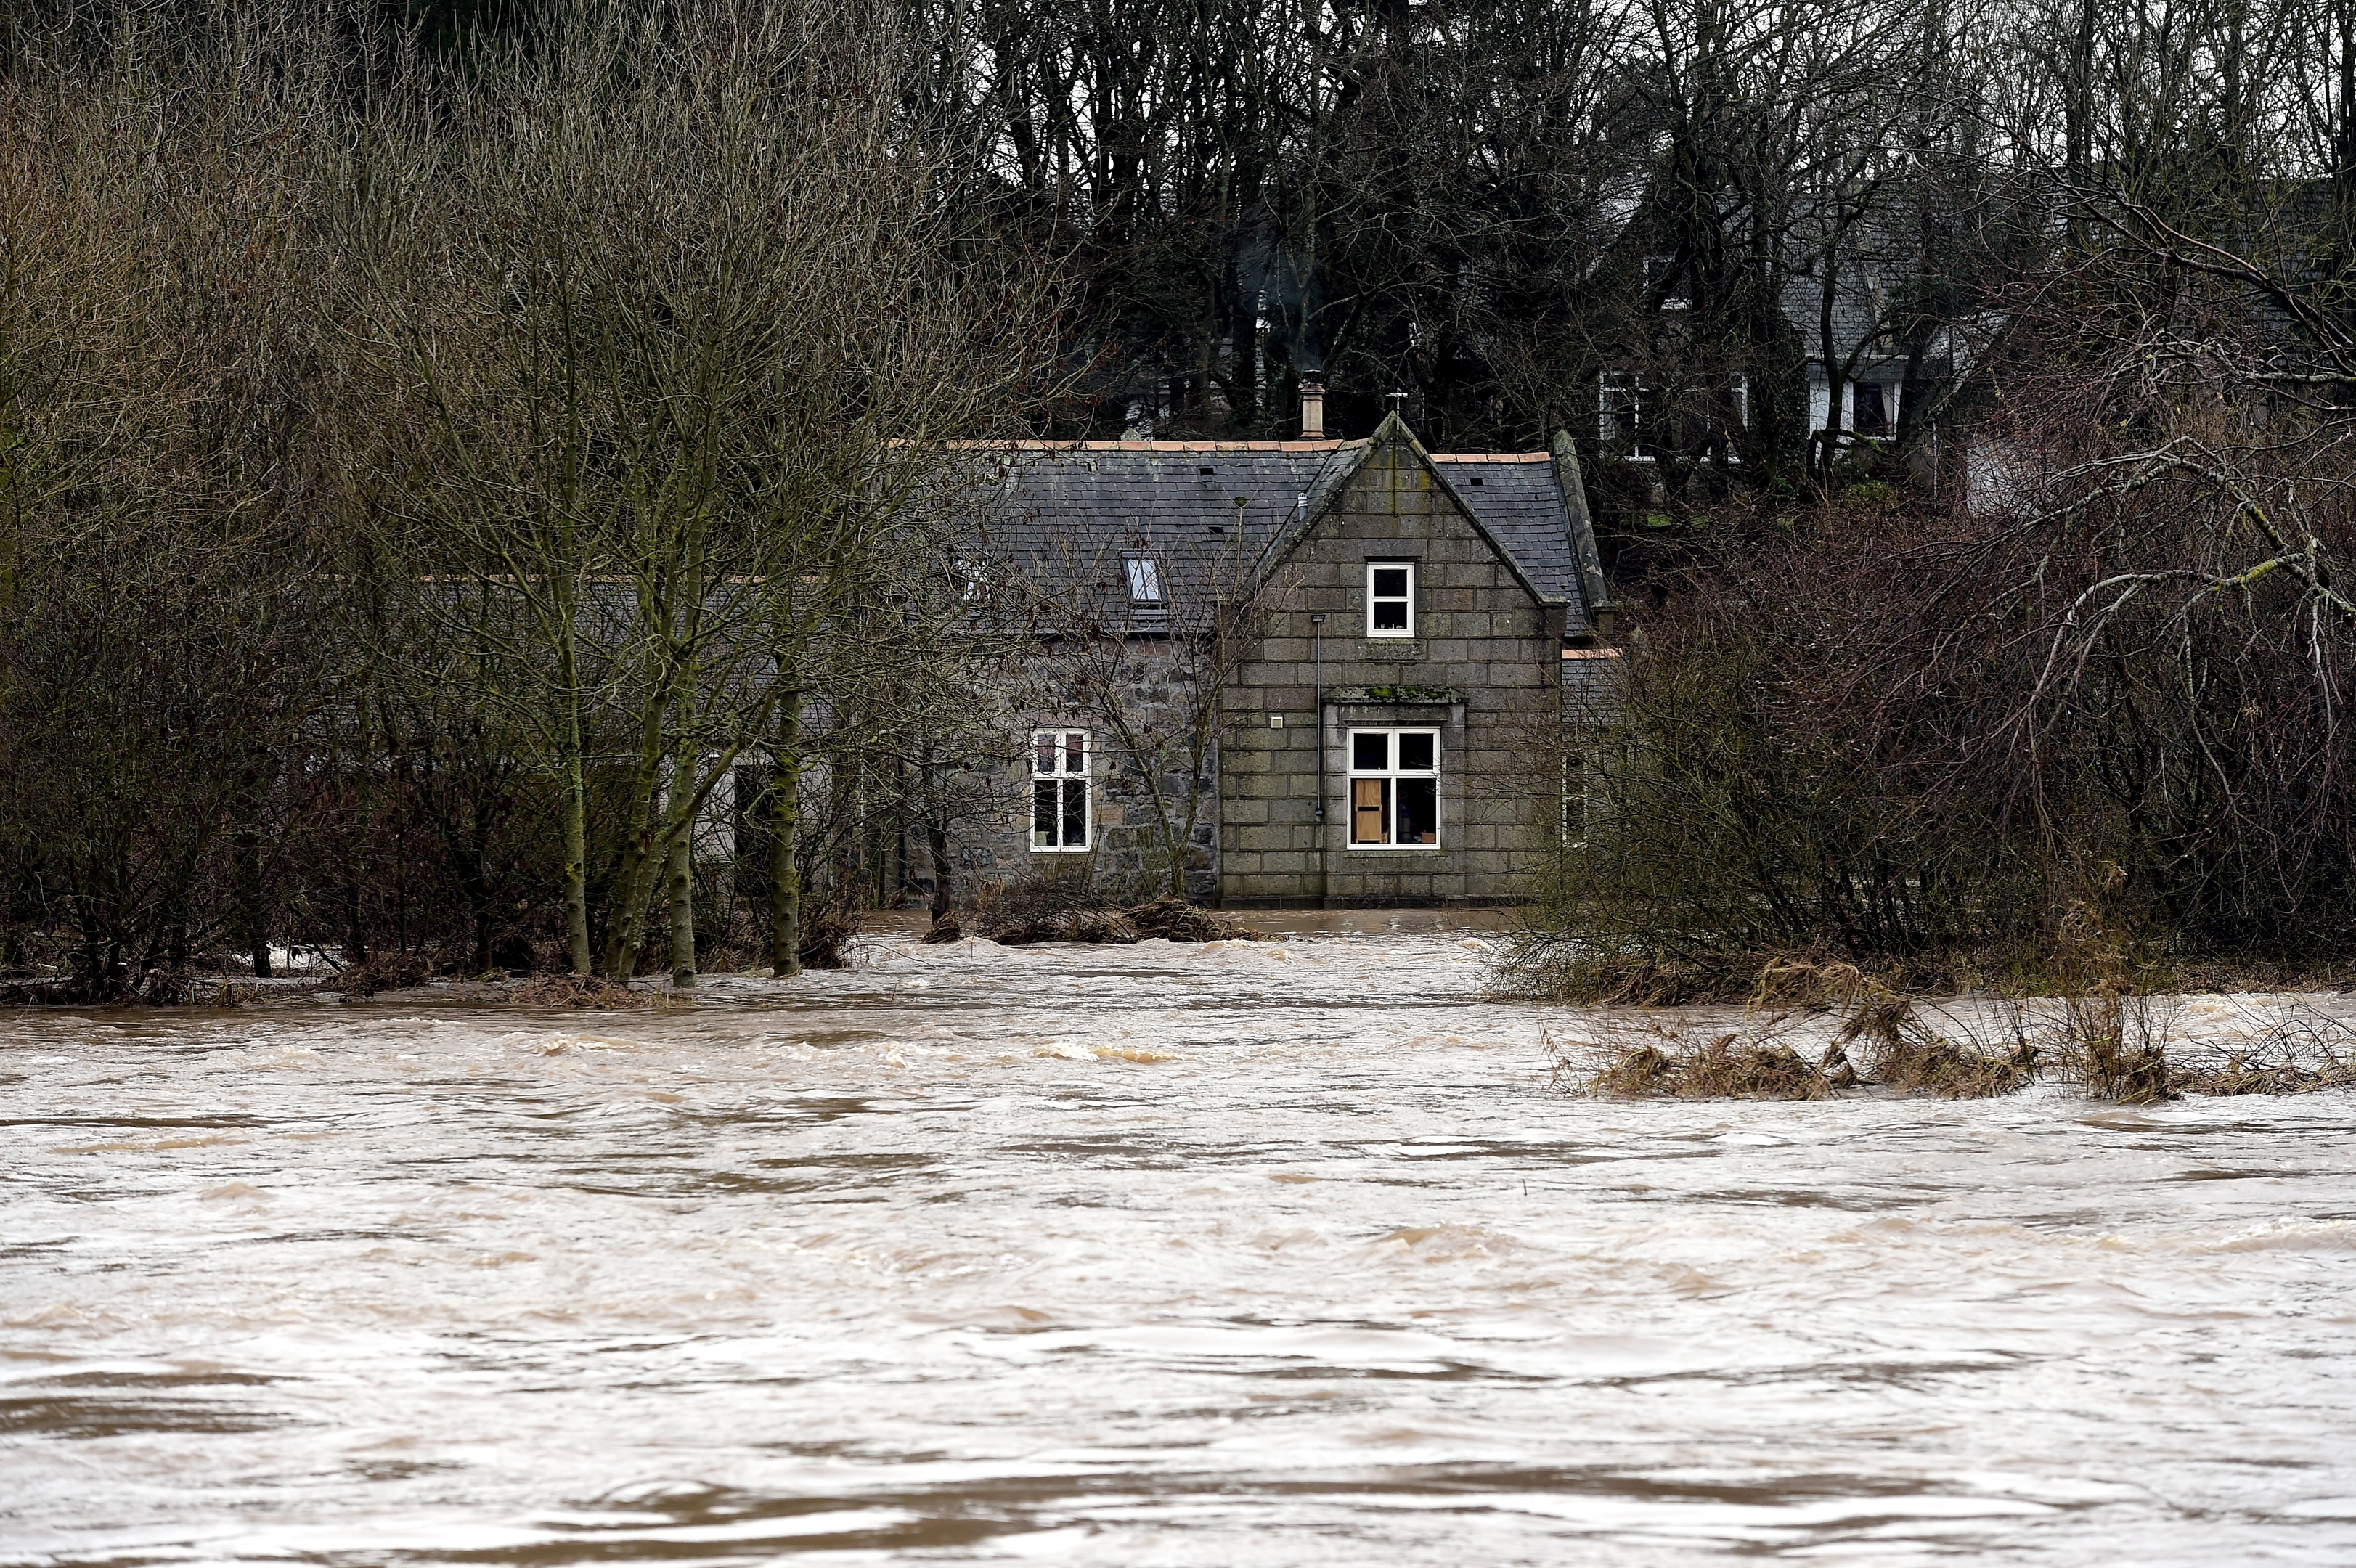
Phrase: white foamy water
(1236,1254)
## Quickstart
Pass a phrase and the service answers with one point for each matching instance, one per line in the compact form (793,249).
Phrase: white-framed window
(1060,811)
(1390,599)
(1621,423)
(1394,789)
(1574,800)
(1145,575)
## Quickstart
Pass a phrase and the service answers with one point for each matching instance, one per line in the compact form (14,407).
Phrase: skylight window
(1145,575)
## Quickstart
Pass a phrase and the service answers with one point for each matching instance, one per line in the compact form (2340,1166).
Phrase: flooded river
(1236,1254)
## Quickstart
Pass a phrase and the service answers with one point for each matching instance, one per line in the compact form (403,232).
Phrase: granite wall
(1483,668)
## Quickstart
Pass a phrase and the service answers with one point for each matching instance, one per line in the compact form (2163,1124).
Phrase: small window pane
(1367,799)
(1415,754)
(1390,614)
(1044,762)
(1075,752)
(1418,811)
(1370,753)
(1042,815)
(1390,582)
(1144,580)
(1075,814)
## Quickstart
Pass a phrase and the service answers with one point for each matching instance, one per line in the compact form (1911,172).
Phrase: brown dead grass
(1743,1064)
(1731,1067)
(1894,1044)
(1921,1063)
(2297,1050)
(2108,1035)
(1882,1039)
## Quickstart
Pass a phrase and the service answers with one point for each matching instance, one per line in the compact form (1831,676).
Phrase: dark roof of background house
(1858,304)
(1061,505)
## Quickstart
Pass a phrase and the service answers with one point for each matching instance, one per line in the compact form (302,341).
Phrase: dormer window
(1144,577)
(1390,599)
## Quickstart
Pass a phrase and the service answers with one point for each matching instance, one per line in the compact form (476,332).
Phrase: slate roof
(1518,498)
(1208,510)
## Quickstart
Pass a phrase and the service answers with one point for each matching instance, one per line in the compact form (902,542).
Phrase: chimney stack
(1313,407)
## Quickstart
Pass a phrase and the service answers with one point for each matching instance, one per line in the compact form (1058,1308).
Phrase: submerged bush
(1069,909)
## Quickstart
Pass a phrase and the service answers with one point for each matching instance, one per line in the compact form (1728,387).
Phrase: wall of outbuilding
(1128,857)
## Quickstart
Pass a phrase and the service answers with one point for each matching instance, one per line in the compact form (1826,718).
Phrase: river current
(1244,1254)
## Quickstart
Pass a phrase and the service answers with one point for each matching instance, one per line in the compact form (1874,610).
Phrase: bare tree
(633,425)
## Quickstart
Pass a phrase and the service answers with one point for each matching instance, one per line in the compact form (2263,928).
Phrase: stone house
(1316,672)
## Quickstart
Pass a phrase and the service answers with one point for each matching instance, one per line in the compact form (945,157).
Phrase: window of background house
(1620,419)
(1872,410)
(1144,574)
(1393,788)
(1574,800)
(1059,789)
(1390,599)
(1663,272)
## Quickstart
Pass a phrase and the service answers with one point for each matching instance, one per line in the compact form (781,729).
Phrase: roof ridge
(1151,447)
(1154,446)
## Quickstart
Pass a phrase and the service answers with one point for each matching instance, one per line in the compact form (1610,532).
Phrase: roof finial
(1399,403)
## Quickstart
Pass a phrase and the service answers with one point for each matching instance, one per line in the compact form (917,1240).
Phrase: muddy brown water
(1231,1254)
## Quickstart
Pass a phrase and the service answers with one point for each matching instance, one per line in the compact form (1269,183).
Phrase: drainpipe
(1317,627)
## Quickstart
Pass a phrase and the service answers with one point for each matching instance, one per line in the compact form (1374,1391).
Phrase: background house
(1310,671)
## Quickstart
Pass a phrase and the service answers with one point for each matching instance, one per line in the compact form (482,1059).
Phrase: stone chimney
(1313,407)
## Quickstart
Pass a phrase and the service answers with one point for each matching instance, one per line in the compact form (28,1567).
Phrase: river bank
(1250,1253)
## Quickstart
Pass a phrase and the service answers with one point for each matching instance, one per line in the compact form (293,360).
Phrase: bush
(1068,909)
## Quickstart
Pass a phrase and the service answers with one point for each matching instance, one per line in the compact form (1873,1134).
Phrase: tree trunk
(936,843)
(252,929)
(636,876)
(680,871)
(785,823)
(576,817)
